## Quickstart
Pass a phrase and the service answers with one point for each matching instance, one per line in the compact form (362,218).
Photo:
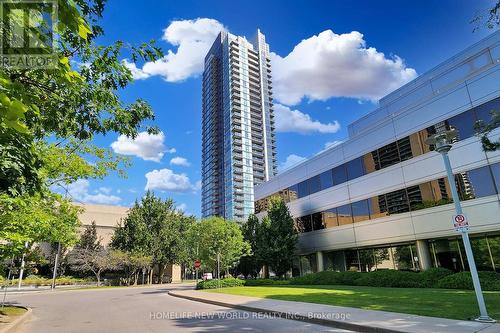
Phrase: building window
(360,211)
(314,184)
(317,221)
(463,123)
(387,155)
(355,168)
(293,192)
(483,111)
(334,261)
(344,214)
(304,223)
(326,180)
(474,184)
(394,202)
(495,170)
(303,189)
(339,175)
(330,218)
(308,264)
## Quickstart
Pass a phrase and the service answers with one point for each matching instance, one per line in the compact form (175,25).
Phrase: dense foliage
(155,228)
(222,283)
(277,238)
(432,278)
(48,118)
(216,238)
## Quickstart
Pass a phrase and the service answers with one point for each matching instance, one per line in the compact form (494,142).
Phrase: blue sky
(331,61)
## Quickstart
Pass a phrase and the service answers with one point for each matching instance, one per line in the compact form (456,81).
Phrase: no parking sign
(460,222)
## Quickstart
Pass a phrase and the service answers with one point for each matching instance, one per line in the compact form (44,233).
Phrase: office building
(381,199)
(238,148)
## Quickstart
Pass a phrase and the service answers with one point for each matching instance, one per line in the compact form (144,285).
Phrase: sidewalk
(340,317)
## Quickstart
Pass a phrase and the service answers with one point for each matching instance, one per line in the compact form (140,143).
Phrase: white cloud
(180,161)
(182,207)
(106,190)
(79,191)
(167,180)
(193,39)
(288,120)
(137,73)
(331,65)
(291,161)
(149,147)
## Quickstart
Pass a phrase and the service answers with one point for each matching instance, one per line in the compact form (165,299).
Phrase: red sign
(460,222)
(197,264)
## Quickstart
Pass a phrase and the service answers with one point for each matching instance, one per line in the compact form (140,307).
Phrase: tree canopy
(49,116)
(277,238)
(215,237)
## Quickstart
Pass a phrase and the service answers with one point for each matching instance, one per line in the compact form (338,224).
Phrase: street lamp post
(442,143)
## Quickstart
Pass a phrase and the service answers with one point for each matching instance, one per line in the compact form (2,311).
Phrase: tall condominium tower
(238,148)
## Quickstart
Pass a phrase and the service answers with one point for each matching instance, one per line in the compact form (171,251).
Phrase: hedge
(327,278)
(35,280)
(224,283)
(266,282)
(489,281)
(432,278)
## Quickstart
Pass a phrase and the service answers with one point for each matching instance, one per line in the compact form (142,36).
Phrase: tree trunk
(265,271)
(161,272)
(136,277)
(98,277)
(151,275)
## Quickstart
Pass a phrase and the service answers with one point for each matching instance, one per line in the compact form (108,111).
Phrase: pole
(21,273)
(54,275)
(6,285)
(218,269)
(468,248)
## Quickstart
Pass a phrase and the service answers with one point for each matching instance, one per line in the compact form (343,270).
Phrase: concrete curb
(13,326)
(293,316)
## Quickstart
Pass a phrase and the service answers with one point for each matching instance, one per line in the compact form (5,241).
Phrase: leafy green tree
(96,261)
(75,100)
(250,265)
(89,239)
(490,17)
(219,238)
(277,238)
(48,118)
(155,227)
(34,219)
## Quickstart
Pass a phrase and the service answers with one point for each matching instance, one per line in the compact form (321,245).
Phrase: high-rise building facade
(238,140)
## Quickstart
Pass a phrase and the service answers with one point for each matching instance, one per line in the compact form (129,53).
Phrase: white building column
(424,255)
(319,261)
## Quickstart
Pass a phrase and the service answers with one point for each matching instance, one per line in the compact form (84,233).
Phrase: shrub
(390,278)
(224,283)
(430,277)
(35,280)
(266,282)
(463,280)
(327,278)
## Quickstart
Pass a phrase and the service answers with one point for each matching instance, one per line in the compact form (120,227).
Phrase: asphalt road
(149,309)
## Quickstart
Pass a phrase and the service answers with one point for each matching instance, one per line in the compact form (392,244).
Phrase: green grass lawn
(445,303)
(11,311)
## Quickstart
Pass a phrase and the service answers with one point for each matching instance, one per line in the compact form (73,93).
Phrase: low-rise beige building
(106,218)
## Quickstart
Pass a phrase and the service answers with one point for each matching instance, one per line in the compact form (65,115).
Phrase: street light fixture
(443,143)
